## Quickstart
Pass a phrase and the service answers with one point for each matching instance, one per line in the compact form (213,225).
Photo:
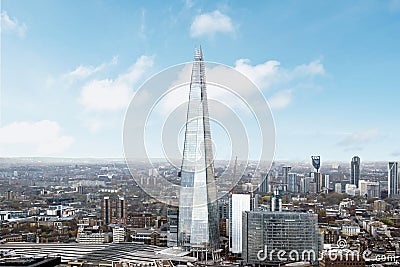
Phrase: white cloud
(270,74)
(310,69)
(111,95)
(209,24)
(263,75)
(358,140)
(46,136)
(281,99)
(8,24)
(82,72)
(267,75)
(216,75)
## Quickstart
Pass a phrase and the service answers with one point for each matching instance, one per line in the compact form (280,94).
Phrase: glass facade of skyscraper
(198,210)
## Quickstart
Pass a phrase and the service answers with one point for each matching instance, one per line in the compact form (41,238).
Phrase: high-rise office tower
(325,181)
(264,186)
(106,210)
(80,189)
(338,188)
(383,189)
(393,179)
(292,183)
(286,170)
(237,204)
(9,195)
(121,209)
(305,184)
(265,234)
(254,201)
(355,170)
(172,231)
(313,187)
(198,228)
(223,211)
(317,178)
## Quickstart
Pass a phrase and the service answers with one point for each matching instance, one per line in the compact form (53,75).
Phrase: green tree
(387,221)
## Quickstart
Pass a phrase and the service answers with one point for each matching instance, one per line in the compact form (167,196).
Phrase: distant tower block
(106,210)
(286,170)
(316,162)
(121,209)
(393,179)
(355,170)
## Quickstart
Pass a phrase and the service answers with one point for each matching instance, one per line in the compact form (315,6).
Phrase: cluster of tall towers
(315,182)
(113,210)
(393,179)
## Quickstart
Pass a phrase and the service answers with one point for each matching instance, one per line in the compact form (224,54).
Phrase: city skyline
(328,70)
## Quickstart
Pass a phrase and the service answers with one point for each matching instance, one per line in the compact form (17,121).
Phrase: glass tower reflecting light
(198,210)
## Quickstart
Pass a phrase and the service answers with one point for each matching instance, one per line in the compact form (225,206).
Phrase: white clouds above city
(114,94)
(271,72)
(270,75)
(12,25)
(82,72)
(45,136)
(263,75)
(209,24)
(280,99)
(311,69)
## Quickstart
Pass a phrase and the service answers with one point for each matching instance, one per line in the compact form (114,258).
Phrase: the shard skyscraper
(198,215)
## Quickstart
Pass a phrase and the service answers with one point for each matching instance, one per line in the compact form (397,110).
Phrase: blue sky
(330,70)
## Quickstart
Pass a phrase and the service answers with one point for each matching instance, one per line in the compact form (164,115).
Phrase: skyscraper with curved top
(198,211)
